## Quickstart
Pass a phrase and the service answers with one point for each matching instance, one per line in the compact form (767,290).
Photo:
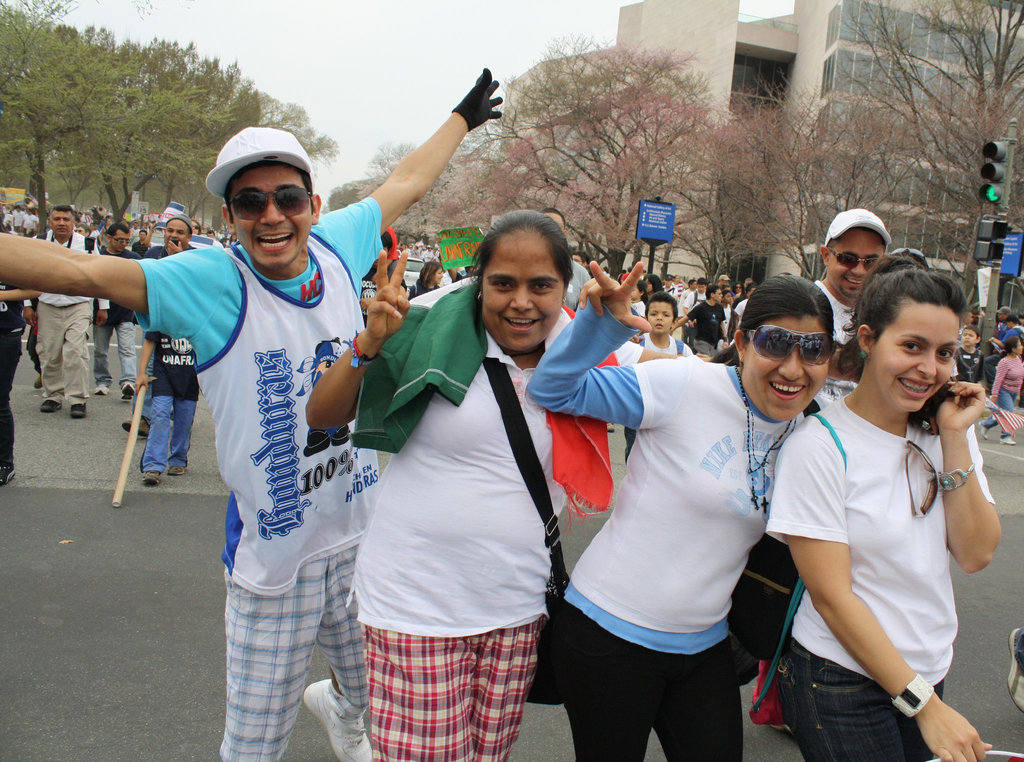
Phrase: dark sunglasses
(290,201)
(776,343)
(922,480)
(851,260)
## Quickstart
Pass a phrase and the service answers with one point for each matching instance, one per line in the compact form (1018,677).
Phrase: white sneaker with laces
(344,727)
(1007,441)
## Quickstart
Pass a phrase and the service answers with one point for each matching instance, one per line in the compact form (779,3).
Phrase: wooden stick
(129,448)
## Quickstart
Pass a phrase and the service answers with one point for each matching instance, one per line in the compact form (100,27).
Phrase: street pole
(650,255)
(988,326)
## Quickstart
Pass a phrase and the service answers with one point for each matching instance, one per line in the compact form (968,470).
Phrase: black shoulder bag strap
(529,466)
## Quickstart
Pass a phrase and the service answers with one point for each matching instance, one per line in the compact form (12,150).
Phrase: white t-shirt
(455,546)
(842,315)
(672,350)
(676,543)
(899,564)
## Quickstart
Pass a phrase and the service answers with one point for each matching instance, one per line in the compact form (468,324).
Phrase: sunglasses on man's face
(290,201)
(851,260)
(775,343)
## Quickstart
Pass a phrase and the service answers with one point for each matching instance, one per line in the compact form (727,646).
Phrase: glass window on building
(759,79)
(834,17)
(828,75)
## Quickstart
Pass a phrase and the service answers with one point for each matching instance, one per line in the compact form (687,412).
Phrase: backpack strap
(798,588)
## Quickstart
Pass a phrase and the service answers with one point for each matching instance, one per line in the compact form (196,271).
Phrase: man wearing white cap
(265,319)
(855,240)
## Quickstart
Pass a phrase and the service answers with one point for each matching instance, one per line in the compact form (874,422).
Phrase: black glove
(478,105)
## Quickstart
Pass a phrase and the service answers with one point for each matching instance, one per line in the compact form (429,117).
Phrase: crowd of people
(315,355)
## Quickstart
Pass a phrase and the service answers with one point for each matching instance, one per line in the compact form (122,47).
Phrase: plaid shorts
(449,698)
(269,647)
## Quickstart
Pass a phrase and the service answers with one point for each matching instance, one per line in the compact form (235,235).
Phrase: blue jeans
(162,435)
(101,335)
(1005,401)
(837,714)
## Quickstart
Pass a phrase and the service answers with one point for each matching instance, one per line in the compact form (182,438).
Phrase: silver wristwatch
(914,696)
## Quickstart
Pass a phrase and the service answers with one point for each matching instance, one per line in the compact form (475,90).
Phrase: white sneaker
(1007,441)
(102,390)
(348,737)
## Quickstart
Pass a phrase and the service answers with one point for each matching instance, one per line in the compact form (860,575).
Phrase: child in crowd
(968,356)
(175,391)
(663,315)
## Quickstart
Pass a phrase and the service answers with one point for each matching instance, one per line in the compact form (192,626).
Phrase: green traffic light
(991,194)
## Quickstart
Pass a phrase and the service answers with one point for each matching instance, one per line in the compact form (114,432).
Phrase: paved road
(111,632)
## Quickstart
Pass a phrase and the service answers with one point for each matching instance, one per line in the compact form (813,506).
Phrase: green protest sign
(458,246)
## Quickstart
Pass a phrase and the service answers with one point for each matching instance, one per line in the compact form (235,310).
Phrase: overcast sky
(372,71)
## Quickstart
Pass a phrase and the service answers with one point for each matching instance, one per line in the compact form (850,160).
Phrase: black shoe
(143,426)
(127,392)
(78,411)
(50,406)
(6,474)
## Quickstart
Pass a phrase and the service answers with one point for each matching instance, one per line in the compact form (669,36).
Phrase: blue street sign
(655,221)
(1011,254)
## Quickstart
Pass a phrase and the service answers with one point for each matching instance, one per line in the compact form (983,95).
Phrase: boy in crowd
(175,393)
(968,356)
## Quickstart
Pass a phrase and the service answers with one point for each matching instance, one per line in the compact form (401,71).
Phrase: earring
(863,354)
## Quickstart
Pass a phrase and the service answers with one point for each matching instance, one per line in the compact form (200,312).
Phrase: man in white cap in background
(264,319)
(854,242)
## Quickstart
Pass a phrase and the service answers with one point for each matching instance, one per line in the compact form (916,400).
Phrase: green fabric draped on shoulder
(437,349)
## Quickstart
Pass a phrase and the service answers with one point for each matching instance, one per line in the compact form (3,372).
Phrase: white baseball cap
(255,144)
(851,218)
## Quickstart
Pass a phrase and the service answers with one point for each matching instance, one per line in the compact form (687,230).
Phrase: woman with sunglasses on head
(642,641)
(872,499)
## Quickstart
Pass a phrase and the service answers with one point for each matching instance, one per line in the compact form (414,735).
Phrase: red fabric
(580,460)
(393,246)
(770,711)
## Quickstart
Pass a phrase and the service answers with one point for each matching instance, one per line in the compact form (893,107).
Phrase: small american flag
(1008,420)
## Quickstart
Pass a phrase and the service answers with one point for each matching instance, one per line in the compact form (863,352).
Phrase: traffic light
(993,171)
(988,243)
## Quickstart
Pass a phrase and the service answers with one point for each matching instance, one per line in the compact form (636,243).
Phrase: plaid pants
(270,645)
(444,698)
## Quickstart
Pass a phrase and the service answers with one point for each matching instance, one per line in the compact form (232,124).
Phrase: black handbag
(544,689)
(761,598)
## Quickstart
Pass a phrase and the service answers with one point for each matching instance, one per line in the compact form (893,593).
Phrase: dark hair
(691,280)
(664,297)
(893,282)
(307,181)
(1011,343)
(971,327)
(656,284)
(713,288)
(779,297)
(552,210)
(429,268)
(702,281)
(526,221)
(1011,318)
(117,227)
(63,208)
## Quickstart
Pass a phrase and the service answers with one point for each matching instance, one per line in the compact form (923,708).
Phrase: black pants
(616,692)
(10,353)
